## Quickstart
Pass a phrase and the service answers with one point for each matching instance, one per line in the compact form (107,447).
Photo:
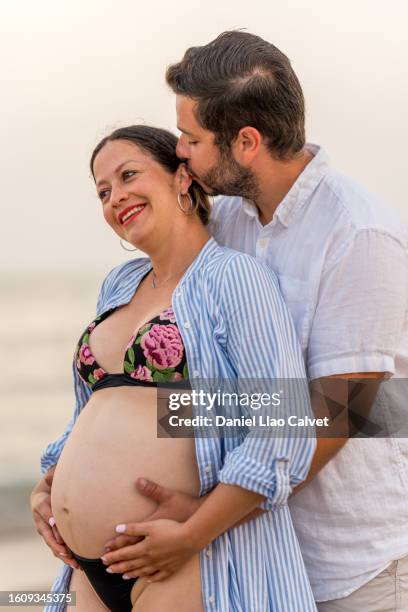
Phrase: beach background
(70,72)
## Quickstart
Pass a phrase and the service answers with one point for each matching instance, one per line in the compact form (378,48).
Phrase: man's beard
(227,177)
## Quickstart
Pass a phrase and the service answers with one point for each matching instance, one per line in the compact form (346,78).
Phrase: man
(341,259)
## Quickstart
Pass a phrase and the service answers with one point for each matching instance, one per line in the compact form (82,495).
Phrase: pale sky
(73,70)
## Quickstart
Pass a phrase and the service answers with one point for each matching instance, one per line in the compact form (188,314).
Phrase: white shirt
(341,258)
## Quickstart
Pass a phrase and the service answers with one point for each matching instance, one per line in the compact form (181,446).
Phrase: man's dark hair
(161,146)
(240,80)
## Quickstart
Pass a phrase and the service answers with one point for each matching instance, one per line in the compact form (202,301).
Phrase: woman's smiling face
(139,197)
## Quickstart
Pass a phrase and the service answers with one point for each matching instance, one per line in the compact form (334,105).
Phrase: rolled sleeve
(353,363)
(272,482)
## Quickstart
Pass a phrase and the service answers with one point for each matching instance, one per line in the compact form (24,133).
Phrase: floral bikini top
(155,354)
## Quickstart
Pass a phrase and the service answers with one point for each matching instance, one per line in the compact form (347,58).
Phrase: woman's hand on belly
(40,502)
(167,545)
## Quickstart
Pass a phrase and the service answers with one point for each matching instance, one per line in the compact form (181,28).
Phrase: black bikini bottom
(112,589)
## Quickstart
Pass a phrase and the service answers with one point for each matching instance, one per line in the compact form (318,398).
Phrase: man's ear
(246,145)
(183,179)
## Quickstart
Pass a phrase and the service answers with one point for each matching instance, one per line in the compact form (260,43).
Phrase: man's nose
(181,149)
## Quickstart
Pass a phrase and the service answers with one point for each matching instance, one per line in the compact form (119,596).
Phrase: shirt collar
(136,269)
(300,191)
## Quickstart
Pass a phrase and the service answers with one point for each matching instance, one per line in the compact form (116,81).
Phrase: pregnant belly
(113,442)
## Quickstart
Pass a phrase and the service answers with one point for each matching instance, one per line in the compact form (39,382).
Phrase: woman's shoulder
(236,264)
(238,287)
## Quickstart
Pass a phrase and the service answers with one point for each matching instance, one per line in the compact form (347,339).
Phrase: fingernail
(142,482)
(51,521)
(104,560)
(109,570)
(126,577)
(63,555)
(107,549)
(120,528)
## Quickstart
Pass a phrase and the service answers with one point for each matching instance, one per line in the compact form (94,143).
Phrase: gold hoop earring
(125,248)
(191,208)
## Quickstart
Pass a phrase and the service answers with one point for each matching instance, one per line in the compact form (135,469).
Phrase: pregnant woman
(190,311)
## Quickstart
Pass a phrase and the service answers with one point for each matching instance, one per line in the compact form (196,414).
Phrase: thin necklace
(154,278)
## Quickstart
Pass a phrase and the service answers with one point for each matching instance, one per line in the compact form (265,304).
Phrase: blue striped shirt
(234,325)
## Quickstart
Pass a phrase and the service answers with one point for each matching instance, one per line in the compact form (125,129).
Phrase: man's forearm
(335,397)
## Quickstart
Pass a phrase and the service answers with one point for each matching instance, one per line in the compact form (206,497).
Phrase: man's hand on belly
(171,504)
(40,502)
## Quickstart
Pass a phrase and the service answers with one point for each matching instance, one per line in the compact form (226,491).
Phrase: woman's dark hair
(240,80)
(161,146)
